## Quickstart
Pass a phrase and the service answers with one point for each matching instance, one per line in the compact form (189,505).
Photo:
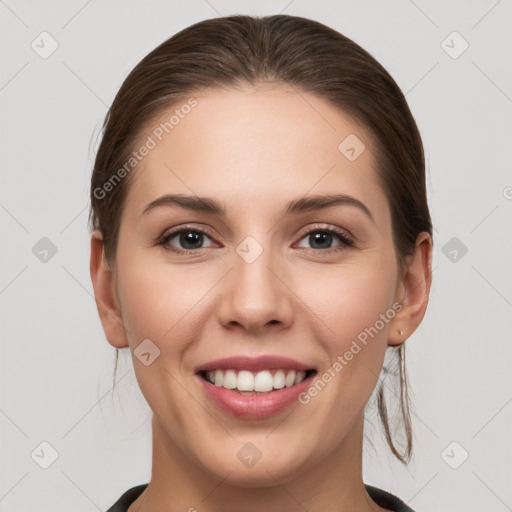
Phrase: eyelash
(346,240)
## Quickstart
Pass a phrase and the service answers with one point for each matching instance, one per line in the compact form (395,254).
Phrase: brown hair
(236,50)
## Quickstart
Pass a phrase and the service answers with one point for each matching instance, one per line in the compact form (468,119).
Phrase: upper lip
(265,362)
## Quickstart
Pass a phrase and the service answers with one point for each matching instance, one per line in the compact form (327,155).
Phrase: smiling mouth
(248,382)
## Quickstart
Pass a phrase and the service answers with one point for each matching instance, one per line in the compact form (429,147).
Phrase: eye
(321,238)
(191,239)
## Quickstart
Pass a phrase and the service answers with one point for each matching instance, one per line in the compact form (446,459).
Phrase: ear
(104,284)
(413,290)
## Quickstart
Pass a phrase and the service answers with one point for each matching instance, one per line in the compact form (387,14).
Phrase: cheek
(353,308)
(160,301)
(162,304)
(152,308)
(145,310)
(349,299)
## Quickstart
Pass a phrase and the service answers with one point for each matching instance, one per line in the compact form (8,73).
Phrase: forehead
(260,145)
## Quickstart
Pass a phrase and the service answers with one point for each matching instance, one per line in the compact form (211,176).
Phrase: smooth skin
(253,149)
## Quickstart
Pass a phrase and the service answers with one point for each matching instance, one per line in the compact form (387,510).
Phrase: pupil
(190,238)
(321,237)
(194,239)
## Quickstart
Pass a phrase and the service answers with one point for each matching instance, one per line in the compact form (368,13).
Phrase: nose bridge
(255,296)
(254,282)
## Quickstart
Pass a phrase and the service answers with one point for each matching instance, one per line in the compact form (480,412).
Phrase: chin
(271,469)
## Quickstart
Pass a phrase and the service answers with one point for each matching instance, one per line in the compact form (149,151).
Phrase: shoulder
(122,504)
(387,500)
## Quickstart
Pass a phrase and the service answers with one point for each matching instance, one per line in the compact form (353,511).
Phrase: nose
(255,295)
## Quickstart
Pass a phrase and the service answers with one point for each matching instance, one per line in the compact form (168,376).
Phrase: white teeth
(245,381)
(263,381)
(229,379)
(290,379)
(260,382)
(279,378)
(300,377)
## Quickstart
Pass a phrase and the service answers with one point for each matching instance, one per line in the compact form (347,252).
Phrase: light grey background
(56,365)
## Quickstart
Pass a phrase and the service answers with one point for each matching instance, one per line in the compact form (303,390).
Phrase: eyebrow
(296,206)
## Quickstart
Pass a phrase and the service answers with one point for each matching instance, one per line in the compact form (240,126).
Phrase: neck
(333,483)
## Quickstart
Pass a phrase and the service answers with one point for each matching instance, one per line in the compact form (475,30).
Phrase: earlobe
(413,291)
(103,281)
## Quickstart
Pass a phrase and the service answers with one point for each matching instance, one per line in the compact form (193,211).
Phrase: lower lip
(254,406)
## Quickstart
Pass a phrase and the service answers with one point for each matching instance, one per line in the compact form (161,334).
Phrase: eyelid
(343,233)
(345,237)
(187,227)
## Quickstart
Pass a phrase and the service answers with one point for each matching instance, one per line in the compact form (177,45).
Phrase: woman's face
(262,281)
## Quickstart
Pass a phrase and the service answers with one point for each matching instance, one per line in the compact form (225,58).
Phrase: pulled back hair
(236,50)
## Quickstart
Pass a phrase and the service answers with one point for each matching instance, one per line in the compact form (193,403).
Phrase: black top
(382,498)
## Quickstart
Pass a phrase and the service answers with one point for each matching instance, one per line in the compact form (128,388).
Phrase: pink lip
(253,364)
(254,406)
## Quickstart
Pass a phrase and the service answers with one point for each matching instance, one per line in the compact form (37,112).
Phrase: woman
(260,239)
